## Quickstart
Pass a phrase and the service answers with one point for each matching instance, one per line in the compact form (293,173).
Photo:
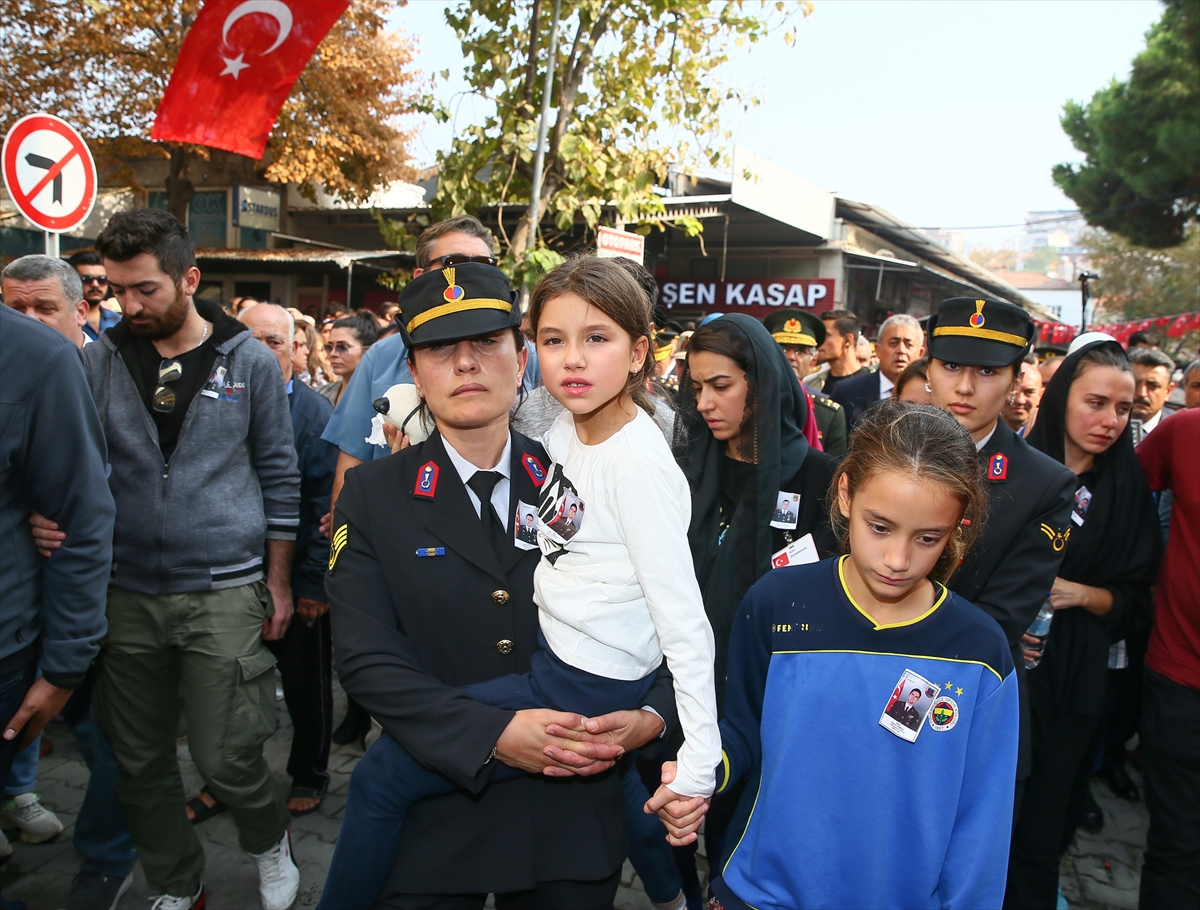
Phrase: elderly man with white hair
(304,653)
(901,341)
(50,291)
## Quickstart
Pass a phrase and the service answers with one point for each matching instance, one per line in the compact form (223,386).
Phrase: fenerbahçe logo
(943,715)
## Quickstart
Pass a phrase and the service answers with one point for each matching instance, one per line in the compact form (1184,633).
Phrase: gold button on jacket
(504,646)
(500,597)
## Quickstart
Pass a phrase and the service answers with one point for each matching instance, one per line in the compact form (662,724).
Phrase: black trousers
(1061,742)
(562,895)
(306,664)
(1171,763)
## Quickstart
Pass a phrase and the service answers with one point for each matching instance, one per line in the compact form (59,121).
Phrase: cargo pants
(206,648)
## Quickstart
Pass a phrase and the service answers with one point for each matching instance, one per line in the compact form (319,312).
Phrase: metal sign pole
(52,244)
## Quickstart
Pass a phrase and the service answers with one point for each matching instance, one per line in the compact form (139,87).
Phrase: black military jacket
(420,605)
(1011,568)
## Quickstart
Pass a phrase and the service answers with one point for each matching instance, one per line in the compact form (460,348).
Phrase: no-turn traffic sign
(49,172)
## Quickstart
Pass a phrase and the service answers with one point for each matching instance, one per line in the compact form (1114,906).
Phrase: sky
(944,113)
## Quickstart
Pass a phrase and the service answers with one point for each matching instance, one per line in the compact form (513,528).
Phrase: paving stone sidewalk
(1099,873)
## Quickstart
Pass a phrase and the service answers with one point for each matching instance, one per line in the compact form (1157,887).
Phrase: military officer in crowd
(975,352)
(429,592)
(800,334)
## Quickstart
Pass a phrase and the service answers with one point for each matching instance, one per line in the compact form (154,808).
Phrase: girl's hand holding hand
(681,815)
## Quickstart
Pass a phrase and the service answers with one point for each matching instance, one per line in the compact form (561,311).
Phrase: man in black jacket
(52,459)
(901,341)
(304,653)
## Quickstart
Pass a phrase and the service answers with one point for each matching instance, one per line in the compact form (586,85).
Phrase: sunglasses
(94,279)
(445,262)
(341,347)
(164,395)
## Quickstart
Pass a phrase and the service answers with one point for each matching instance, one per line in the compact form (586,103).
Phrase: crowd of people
(866,617)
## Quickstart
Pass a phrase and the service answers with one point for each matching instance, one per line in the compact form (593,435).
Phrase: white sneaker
(37,823)
(167,902)
(278,877)
(5,847)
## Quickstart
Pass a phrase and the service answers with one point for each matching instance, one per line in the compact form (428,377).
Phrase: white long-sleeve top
(624,592)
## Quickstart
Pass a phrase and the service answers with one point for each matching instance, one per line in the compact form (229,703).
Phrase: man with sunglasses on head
(90,268)
(203,472)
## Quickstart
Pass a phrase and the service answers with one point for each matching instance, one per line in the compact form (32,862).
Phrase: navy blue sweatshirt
(858,798)
(52,460)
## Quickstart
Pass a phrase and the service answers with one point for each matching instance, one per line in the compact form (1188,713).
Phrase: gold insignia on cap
(977,319)
(340,537)
(793,332)
(453,293)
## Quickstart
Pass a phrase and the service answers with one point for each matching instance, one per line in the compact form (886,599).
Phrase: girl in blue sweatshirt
(872,712)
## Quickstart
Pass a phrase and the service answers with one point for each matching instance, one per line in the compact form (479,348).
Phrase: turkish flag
(236,68)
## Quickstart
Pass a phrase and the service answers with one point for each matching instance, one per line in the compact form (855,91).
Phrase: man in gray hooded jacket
(203,472)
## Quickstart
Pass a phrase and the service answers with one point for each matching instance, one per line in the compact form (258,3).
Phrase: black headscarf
(1116,548)
(777,417)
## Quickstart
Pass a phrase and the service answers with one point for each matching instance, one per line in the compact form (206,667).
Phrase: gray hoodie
(199,522)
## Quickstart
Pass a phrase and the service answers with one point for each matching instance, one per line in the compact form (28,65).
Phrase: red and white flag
(236,67)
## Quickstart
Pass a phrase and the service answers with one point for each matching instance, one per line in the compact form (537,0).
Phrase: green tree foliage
(1141,138)
(1138,282)
(635,90)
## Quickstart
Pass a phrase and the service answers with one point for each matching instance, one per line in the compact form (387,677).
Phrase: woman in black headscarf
(744,415)
(1101,595)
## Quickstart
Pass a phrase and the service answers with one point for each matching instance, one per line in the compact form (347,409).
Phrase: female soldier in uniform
(975,351)
(429,593)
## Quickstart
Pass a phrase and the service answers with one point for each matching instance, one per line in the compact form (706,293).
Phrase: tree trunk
(179,189)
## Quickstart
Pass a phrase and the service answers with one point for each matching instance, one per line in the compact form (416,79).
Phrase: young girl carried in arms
(872,710)
(615,588)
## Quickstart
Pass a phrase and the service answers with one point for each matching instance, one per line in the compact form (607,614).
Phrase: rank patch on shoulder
(944,714)
(998,467)
(427,479)
(534,469)
(1058,539)
(340,537)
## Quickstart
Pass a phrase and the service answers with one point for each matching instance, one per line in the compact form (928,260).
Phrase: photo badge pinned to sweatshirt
(909,704)
(560,514)
(787,511)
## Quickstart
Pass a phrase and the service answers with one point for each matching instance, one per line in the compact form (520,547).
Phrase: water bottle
(1039,630)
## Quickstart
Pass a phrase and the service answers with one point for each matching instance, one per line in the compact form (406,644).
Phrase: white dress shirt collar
(885,386)
(466,471)
(988,438)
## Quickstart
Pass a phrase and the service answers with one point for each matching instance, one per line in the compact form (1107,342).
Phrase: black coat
(1011,569)
(857,395)
(316,460)
(408,629)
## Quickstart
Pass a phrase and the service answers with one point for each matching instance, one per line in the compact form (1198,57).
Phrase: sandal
(202,811)
(305,793)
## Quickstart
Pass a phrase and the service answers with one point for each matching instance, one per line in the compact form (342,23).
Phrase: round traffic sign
(49,172)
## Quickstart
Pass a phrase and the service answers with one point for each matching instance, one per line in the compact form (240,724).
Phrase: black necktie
(483,483)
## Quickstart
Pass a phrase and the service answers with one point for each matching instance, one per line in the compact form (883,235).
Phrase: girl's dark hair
(726,340)
(610,288)
(918,369)
(927,443)
(1103,355)
(363,325)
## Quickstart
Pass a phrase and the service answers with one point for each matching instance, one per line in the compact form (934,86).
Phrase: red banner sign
(756,296)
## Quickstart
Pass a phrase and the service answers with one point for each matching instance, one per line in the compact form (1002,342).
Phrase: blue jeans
(13,686)
(101,831)
(387,781)
(22,776)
